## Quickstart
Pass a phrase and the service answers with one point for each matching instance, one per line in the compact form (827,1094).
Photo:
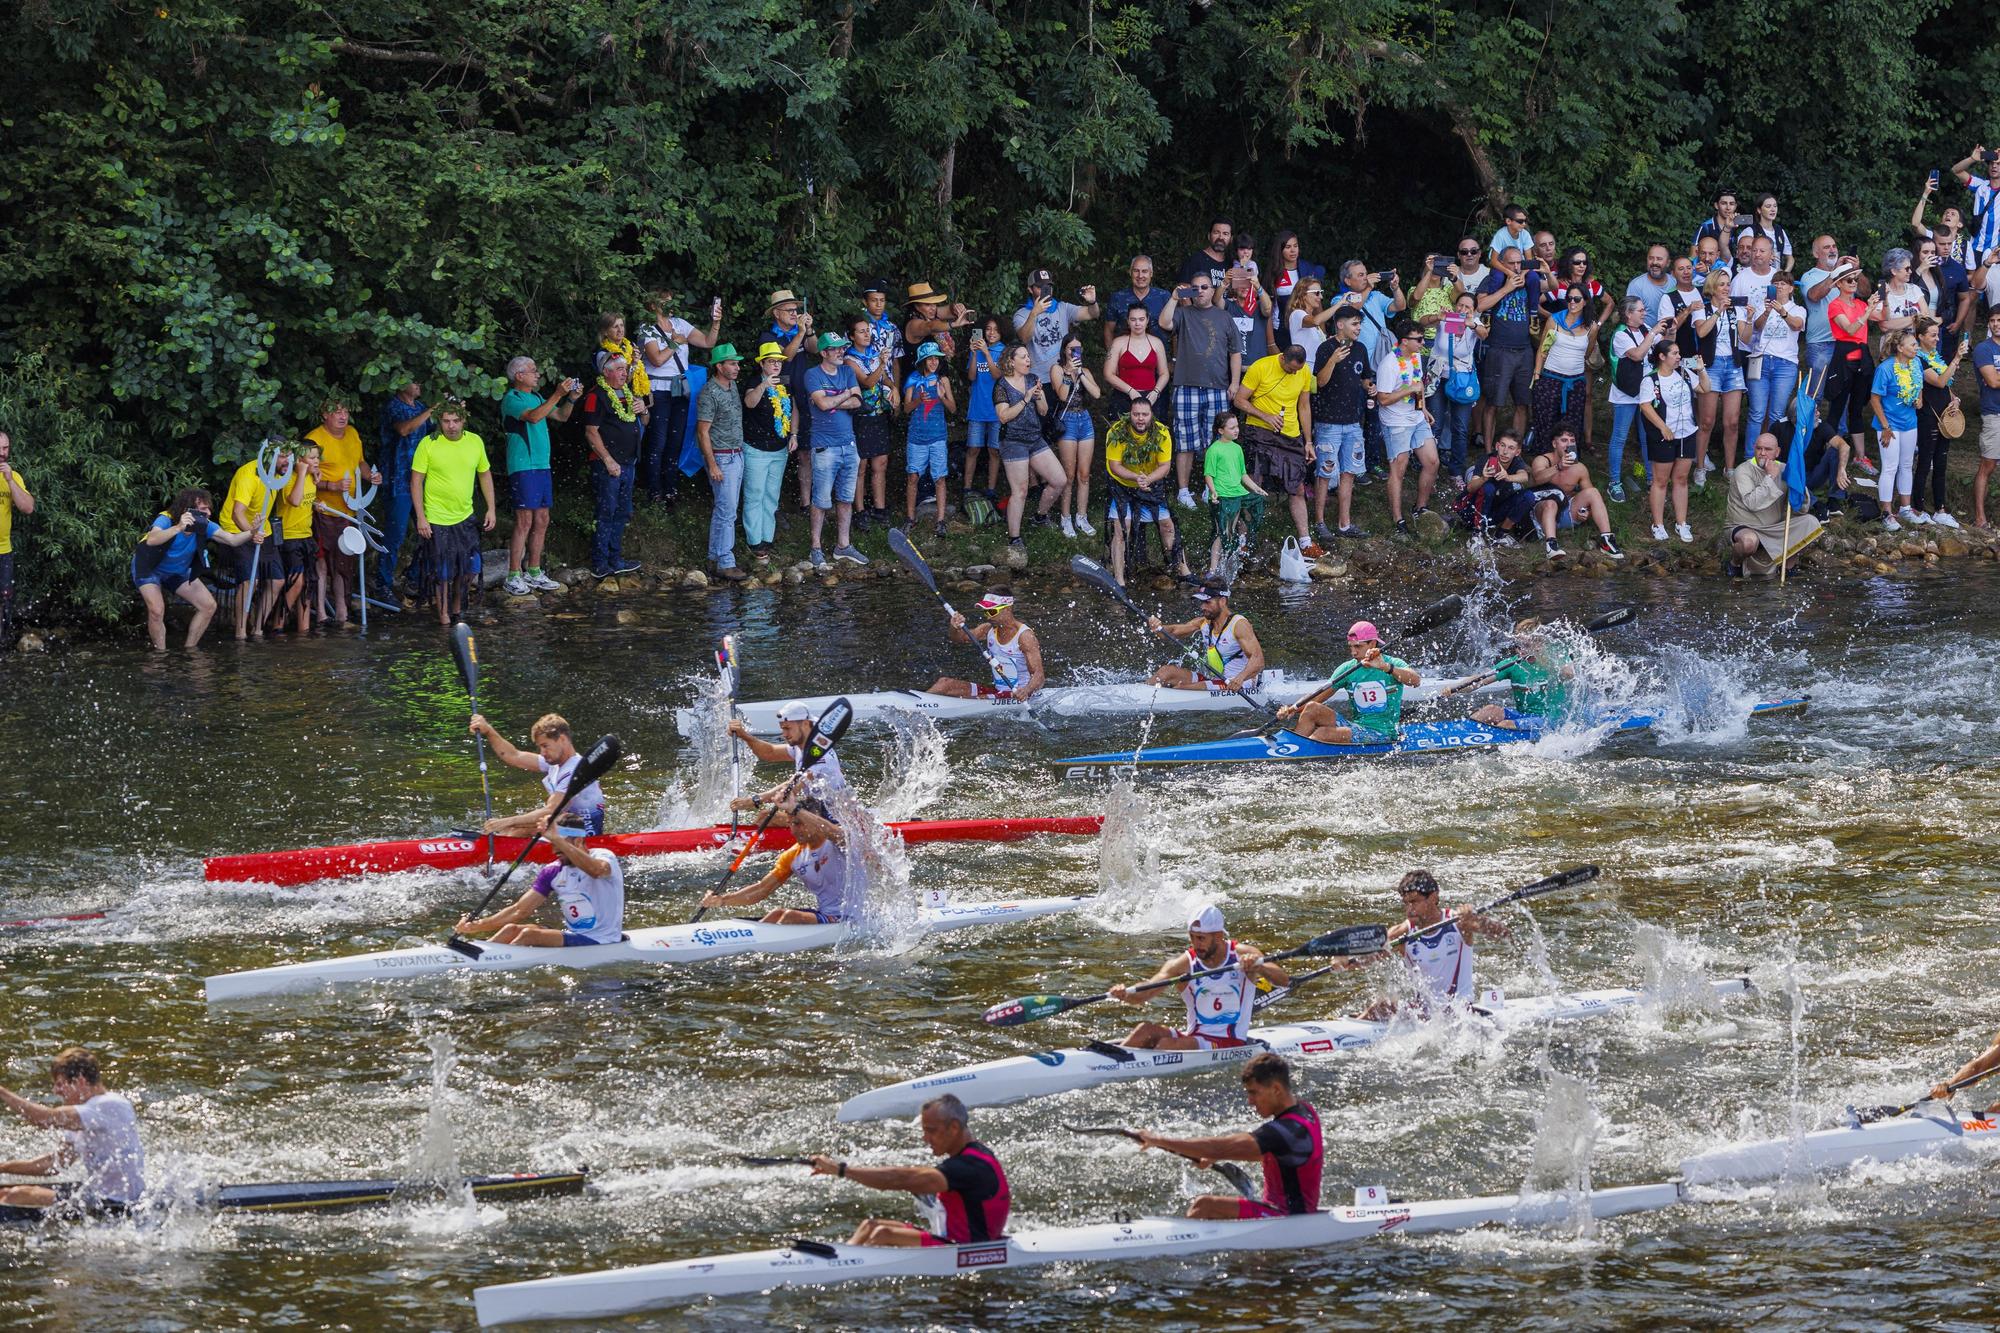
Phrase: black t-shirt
(1498,488)
(1201,261)
(975,1182)
(1340,401)
(621,438)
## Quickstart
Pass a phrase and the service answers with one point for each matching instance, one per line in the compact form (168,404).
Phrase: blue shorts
(982,435)
(1726,376)
(532,489)
(834,471)
(168,584)
(1337,449)
(572,940)
(927,458)
(1400,440)
(1076,426)
(826,918)
(1127,504)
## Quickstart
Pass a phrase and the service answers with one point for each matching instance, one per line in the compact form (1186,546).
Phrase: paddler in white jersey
(1011,648)
(101,1132)
(1219,1007)
(818,857)
(1231,657)
(1434,945)
(555,758)
(589,889)
(795,728)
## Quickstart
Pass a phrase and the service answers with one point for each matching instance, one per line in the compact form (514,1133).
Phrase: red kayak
(454,852)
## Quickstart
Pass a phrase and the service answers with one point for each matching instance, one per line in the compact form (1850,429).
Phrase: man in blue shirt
(833,392)
(1986,365)
(1142,292)
(1653,285)
(1985,196)
(400,428)
(1508,297)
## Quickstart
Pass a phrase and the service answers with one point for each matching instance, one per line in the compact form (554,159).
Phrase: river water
(1835,858)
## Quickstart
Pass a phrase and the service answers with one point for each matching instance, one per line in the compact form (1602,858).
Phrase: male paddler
(555,758)
(1434,945)
(1011,648)
(1374,682)
(589,888)
(818,856)
(1972,1068)
(795,728)
(1540,673)
(1221,1005)
(1230,655)
(963,1199)
(101,1131)
(1288,1143)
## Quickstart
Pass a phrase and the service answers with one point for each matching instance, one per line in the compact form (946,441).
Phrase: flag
(1805,410)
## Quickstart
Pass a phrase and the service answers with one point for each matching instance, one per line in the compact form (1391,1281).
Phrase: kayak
(1020,1078)
(1111,697)
(691,942)
(1921,1135)
(1417,738)
(804,1263)
(333,1196)
(458,851)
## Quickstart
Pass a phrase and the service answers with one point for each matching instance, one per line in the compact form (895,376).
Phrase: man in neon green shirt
(441,479)
(1374,682)
(1541,675)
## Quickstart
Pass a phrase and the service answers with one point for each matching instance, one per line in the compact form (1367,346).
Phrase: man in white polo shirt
(101,1133)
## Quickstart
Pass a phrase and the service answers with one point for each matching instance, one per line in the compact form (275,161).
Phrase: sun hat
(770,352)
(783,296)
(724,352)
(921,293)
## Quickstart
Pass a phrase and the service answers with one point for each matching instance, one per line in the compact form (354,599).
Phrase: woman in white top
(1774,326)
(1559,395)
(1764,222)
(1632,344)
(1455,350)
(1306,315)
(1669,394)
(1722,397)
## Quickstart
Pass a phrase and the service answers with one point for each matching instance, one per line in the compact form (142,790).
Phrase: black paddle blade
(460,944)
(1026,1009)
(467,653)
(1347,942)
(748,1160)
(1612,619)
(596,762)
(1093,573)
(901,546)
(1868,1115)
(1438,613)
(1106,1131)
(1562,879)
(832,725)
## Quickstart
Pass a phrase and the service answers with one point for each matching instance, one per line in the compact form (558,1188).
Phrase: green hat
(829,341)
(723,352)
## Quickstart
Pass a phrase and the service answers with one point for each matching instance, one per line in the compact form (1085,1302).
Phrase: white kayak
(623,1291)
(1111,697)
(688,943)
(1937,1131)
(1022,1077)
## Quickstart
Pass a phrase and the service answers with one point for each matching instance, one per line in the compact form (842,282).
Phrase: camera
(1440,264)
(1989,156)
(1385,275)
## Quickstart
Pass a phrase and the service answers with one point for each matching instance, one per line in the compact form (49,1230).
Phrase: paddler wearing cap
(1374,682)
(589,889)
(818,856)
(1540,673)
(1231,658)
(1220,1006)
(1011,649)
(795,728)
(1434,945)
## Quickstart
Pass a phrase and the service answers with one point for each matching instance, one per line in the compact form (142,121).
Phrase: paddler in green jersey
(1374,682)
(1540,673)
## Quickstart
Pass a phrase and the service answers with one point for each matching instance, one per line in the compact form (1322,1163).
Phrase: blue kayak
(1417,738)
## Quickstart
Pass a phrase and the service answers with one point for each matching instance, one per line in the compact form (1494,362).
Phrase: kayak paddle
(467,653)
(67,918)
(1612,619)
(1098,576)
(1440,612)
(749,1160)
(832,725)
(594,764)
(1229,1171)
(899,543)
(725,667)
(1348,941)
(1868,1115)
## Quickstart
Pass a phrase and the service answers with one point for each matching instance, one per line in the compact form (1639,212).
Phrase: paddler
(818,856)
(1230,655)
(1540,673)
(1435,947)
(1011,648)
(1220,1007)
(1374,682)
(101,1131)
(555,758)
(1972,1068)
(1288,1143)
(963,1199)
(795,727)
(589,888)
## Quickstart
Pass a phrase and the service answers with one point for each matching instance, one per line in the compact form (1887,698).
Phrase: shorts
(533,488)
(1726,376)
(1339,450)
(1204,1042)
(826,918)
(982,435)
(1076,426)
(1507,374)
(270,566)
(1670,451)
(1400,440)
(454,548)
(572,940)
(834,470)
(168,584)
(1124,504)
(1013,451)
(1227,509)
(1249,1210)
(1989,437)
(326,534)
(927,458)
(298,555)
(871,436)
(1279,465)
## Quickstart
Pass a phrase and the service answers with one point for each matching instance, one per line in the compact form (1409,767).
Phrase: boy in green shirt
(1230,493)
(441,480)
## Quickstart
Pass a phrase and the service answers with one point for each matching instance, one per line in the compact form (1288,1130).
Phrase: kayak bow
(337,1196)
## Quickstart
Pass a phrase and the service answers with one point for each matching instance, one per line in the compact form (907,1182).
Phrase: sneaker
(1552,550)
(1685,533)
(1185,499)
(850,555)
(541,582)
(1420,511)
(1018,543)
(819,560)
(1699,481)
(1312,550)
(760,557)
(1659,533)
(1945,520)
(1508,539)
(624,566)
(1618,492)
(1609,545)
(1352,533)
(1379,472)
(600,572)
(1914,516)
(1402,527)
(941,534)
(1321,532)
(1889,523)
(1866,467)
(1083,526)
(1068,526)
(517,586)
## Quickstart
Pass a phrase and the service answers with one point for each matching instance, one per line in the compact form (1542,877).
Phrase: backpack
(1626,374)
(1461,386)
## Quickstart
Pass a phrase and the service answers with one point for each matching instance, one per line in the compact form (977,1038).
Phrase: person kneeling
(589,888)
(1763,532)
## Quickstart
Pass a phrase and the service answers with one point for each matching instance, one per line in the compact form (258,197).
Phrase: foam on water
(915,769)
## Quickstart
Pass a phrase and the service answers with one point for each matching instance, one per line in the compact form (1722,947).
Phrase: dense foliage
(215,213)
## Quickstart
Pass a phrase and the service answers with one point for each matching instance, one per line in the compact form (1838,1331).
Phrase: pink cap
(1363,631)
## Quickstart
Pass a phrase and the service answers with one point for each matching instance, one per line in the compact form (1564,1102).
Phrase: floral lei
(623,405)
(1906,381)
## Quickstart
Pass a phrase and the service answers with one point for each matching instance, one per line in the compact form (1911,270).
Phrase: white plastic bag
(1292,566)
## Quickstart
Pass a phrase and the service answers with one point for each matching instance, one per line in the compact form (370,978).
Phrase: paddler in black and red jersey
(963,1199)
(1231,658)
(1011,649)
(1288,1143)
(1220,1005)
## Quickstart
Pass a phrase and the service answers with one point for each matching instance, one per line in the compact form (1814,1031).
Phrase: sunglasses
(1204,287)
(1315,291)
(1468,250)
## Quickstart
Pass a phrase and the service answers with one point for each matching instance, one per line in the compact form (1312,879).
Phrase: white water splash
(914,767)
(1798,1187)
(887,913)
(1566,1132)
(699,792)
(1674,972)
(1132,896)
(435,1155)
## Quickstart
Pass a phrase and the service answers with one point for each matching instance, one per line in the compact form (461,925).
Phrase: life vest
(1296,1188)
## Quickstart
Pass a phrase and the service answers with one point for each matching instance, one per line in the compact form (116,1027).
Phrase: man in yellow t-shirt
(1276,400)
(17,498)
(442,475)
(297,554)
(339,460)
(248,503)
(1138,450)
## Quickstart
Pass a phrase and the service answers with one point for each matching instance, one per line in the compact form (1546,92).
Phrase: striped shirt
(1986,232)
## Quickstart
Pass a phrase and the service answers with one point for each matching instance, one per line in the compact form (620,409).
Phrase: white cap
(795,713)
(1207,920)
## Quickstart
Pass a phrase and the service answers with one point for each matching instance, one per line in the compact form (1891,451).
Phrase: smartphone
(1385,275)
(1934,180)
(1440,264)
(1740,302)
